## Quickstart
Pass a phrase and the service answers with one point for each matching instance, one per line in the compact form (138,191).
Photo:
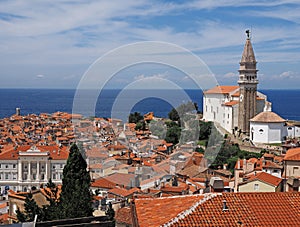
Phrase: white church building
(241,108)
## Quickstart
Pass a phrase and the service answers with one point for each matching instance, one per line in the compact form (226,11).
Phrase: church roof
(221,90)
(248,53)
(231,103)
(267,116)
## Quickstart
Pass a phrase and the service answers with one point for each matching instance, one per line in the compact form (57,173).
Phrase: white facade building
(220,105)
(267,127)
(28,167)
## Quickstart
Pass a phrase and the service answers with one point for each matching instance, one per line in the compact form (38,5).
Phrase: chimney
(225,208)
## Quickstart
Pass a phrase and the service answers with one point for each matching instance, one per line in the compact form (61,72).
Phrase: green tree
(76,197)
(135,117)
(141,125)
(184,108)
(173,134)
(205,130)
(173,115)
(30,210)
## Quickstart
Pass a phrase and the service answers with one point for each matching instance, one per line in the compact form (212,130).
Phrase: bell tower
(248,86)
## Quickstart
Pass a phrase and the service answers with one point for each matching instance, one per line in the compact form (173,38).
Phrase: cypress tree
(76,197)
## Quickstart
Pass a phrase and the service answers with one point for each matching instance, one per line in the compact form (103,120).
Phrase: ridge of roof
(223,89)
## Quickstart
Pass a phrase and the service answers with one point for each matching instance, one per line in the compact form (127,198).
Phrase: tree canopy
(30,210)
(135,117)
(76,197)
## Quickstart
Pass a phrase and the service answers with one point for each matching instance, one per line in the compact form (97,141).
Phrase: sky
(53,44)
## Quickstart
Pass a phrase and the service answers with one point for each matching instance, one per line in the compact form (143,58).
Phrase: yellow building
(261,182)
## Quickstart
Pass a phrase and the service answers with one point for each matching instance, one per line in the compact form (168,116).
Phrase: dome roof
(267,116)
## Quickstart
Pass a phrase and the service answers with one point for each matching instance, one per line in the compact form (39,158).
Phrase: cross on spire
(248,33)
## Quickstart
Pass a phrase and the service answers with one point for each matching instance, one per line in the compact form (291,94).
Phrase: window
(14,166)
(6,176)
(228,116)
(61,166)
(54,176)
(256,187)
(295,170)
(6,166)
(261,130)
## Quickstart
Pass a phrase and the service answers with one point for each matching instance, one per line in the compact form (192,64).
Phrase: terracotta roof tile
(149,210)
(123,216)
(221,90)
(244,209)
(292,155)
(265,177)
(231,103)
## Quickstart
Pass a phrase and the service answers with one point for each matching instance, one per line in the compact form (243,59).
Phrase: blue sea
(286,103)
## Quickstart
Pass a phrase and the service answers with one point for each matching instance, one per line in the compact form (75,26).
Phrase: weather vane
(248,33)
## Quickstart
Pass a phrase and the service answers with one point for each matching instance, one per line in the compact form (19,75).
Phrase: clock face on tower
(241,97)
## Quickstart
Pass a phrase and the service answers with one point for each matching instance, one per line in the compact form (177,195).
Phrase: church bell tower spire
(248,86)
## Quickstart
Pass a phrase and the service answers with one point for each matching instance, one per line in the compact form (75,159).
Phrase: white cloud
(78,32)
(154,76)
(231,75)
(288,75)
(40,76)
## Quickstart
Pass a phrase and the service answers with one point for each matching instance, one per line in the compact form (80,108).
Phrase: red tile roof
(123,216)
(103,183)
(231,103)
(244,209)
(265,177)
(55,152)
(157,211)
(221,90)
(292,155)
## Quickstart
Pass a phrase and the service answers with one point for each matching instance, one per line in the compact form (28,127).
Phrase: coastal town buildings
(135,169)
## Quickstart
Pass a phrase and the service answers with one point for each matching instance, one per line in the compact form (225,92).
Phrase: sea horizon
(50,100)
